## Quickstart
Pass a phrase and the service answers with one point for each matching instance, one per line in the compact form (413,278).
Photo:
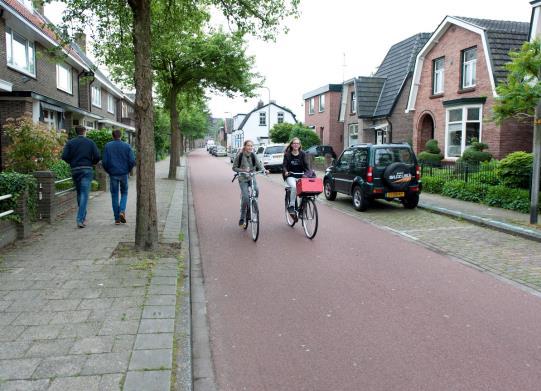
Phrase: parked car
(321,150)
(220,151)
(272,156)
(212,149)
(367,172)
(210,143)
(233,154)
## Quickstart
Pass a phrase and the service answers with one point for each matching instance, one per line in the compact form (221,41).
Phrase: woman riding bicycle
(295,164)
(246,161)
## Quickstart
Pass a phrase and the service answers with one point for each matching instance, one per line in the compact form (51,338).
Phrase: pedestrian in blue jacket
(81,154)
(118,160)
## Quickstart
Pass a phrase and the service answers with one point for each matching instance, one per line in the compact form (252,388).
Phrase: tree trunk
(146,228)
(175,135)
(181,144)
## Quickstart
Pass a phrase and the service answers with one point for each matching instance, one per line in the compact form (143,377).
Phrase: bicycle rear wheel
(289,220)
(309,218)
(254,221)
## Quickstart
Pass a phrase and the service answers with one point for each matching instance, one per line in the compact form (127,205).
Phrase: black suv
(368,171)
(321,150)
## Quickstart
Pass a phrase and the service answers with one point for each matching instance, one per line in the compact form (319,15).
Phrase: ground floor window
(463,124)
(353,133)
(382,136)
(51,119)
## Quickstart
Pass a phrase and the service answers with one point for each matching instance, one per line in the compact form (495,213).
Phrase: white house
(257,123)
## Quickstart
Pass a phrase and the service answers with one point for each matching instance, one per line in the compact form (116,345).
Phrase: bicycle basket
(309,186)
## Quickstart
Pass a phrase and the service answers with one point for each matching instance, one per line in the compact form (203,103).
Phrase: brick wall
(351,118)
(500,140)
(328,120)
(401,121)
(103,109)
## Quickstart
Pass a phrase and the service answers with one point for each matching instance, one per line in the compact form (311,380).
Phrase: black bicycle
(252,212)
(306,211)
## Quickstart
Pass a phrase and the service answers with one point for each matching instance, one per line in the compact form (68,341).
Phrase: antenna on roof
(344,67)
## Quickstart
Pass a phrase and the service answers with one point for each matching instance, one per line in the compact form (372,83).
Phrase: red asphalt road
(357,308)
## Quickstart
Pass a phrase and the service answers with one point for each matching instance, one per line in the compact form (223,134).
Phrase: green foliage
(504,197)
(431,146)
(307,136)
(162,128)
(281,133)
(32,147)
(475,153)
(102,136)
(61,169)
(16,183)
(519,94)
(433,184)
(515,169)
(464,191)
(432,153)
(95,186)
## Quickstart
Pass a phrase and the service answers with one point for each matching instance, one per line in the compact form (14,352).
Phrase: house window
(311,106)
(89,124)
(353,103)
(262,119)
(353,130)
(280,117)
(321,103)
(469,61)
(96,96)
(462,125)
(437,77)
(20,53)
(124,110)
(63,78)
(51,119)
(110,104)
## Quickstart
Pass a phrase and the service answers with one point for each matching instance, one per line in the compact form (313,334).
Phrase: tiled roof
(40,22)
(395,68)
(503,36)
(259,108)
(322,90)
(368,93)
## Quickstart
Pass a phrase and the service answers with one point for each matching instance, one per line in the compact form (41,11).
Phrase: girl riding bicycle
(295,164)
(246,161)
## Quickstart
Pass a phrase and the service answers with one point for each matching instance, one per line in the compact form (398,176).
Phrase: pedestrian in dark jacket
(81,154)
(118,160)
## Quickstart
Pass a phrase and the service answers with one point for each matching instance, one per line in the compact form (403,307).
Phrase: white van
(210,143)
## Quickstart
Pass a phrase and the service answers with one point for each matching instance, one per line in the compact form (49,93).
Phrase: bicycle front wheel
(254,221)
(309,218)
(289,219)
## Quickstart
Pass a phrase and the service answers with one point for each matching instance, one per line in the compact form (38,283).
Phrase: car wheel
(359,200)
(328,191)
(411,201)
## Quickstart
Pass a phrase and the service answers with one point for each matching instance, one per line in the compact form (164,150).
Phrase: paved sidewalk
(72,317)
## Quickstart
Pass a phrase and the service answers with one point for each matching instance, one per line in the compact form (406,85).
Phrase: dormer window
(353,103)
(469,63)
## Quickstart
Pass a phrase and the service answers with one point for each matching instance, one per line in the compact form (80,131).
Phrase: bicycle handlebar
(251,173)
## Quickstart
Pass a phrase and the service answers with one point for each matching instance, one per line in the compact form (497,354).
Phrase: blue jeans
(116,182)
(82,179)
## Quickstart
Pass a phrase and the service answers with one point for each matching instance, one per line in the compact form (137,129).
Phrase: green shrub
(431,146)
(307,136)
(61,169)
(100,137)
(431,154)
(484,177)
(514,170)
(475,153)
(504,197)
(32,147)
(15,183)
(95,186)
(281,133)
(433,184)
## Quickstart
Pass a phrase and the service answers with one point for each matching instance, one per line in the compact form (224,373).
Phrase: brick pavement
(72,317)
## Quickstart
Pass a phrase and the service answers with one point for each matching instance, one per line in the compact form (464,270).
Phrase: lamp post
(268,117)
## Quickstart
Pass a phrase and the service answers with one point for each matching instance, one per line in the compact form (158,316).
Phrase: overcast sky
(312,53)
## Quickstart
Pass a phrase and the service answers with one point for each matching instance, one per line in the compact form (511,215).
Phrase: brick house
(321,112)
(454,87)
(373,107)
(50,91)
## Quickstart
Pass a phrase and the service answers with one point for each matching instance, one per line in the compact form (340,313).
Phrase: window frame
(110,106)
(353,108)
(30,69)
(472,66)
(280,117)
(438,72)
(311,105)
(321,107)
(96,102)
(69,75)
(464,121)
(262,115)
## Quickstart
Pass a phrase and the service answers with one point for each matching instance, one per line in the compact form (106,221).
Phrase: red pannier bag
(309,186)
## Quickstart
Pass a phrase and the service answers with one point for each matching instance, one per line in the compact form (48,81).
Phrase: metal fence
(7,212)
(482,174)
(62,189)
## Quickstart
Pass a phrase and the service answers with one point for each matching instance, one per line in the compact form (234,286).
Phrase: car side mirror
(333,162)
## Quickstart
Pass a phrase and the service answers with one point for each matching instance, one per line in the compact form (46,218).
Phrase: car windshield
(275,149)
(386,156)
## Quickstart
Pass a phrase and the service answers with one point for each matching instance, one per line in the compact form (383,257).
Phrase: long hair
(289,148)
(244,145)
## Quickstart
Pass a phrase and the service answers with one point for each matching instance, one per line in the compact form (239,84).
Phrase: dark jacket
(245,162)
(302,165)
(118,158)
(81,152)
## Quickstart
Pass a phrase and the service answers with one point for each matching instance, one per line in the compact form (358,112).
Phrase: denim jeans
(117,183)
(244,196)
(82,178)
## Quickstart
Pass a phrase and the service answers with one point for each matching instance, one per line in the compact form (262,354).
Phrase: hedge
(16,183)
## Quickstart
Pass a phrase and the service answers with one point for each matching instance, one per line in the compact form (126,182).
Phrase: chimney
(80,40)
(260,104)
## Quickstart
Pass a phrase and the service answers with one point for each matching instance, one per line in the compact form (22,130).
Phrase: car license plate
(394,194)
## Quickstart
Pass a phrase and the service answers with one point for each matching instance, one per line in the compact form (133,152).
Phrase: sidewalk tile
(80,383)
(25,385)
(157,359)
(62,366)
(57,347)
(152,326)
(154,341)
(106,363)
(159,312)
(18,369)
(92,345)
(148,380)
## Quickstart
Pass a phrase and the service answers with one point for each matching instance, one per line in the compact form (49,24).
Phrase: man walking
(81,154)
(118,160)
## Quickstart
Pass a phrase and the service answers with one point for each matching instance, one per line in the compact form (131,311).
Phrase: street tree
(520,97)
(122,31)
